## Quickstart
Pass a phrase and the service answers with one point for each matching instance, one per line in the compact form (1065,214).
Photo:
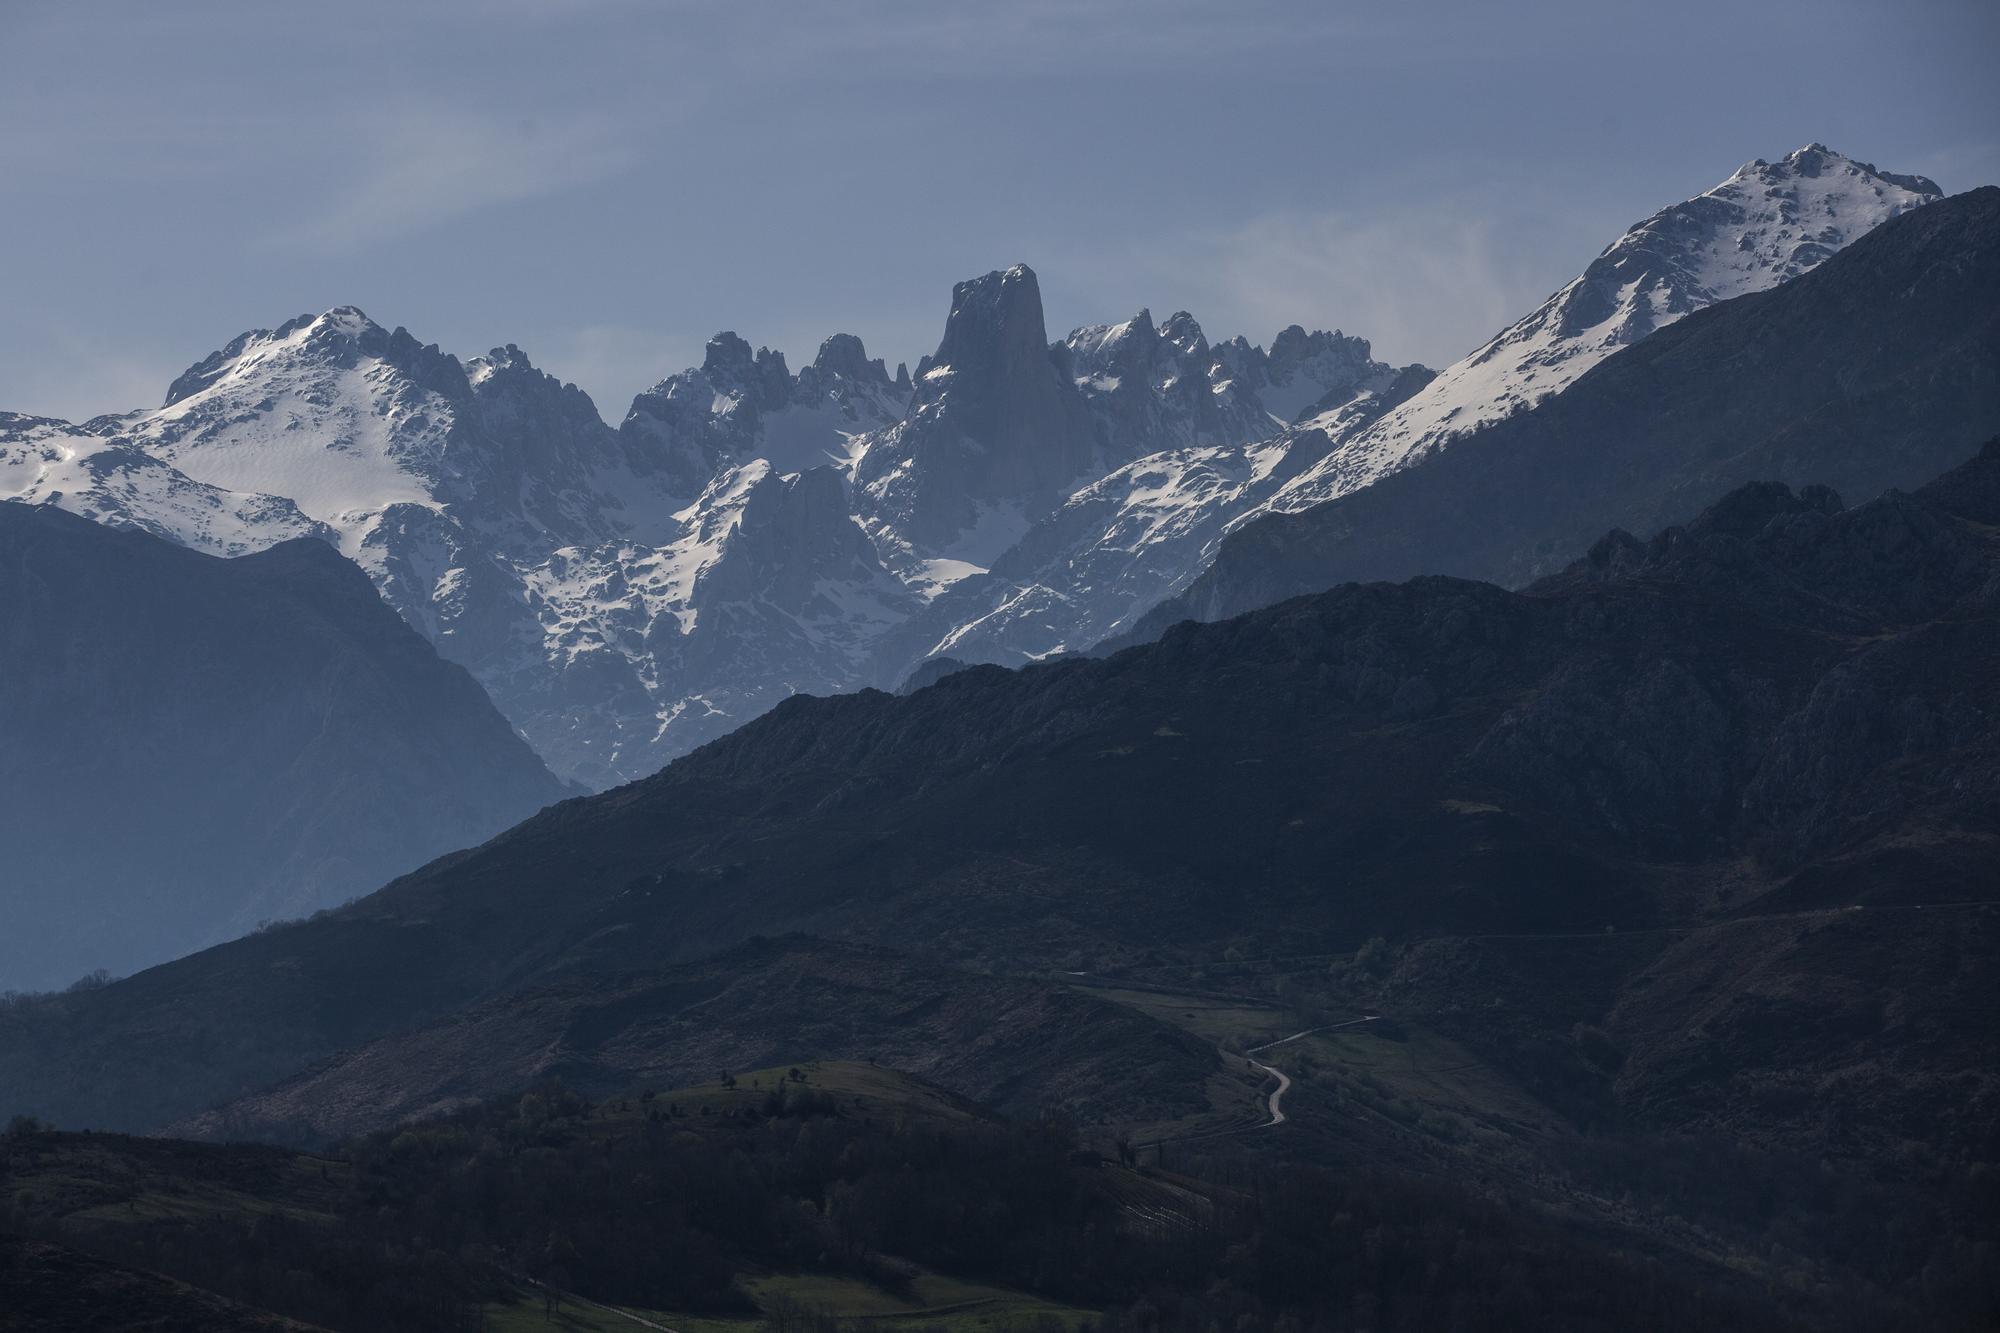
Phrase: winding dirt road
(1284,1086)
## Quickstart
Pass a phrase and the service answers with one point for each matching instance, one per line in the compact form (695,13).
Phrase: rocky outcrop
(996,434)
(1030,499)
(743,405)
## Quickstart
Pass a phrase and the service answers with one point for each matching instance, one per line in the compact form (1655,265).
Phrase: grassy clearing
(527,1317)
(934,1301)
(114,1180)
(1420,1068)
(1229,1025)
(1412,1076)
(1236,1093)
(855,1086)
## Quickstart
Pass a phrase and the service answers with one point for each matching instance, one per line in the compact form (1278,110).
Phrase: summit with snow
(748,532)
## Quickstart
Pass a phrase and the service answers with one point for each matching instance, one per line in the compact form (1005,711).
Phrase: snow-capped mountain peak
(748,532)
(114,482)
(1768,222)
(332,411)
(740,404)
(1157,388)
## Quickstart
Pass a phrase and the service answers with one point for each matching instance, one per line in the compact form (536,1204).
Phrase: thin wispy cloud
(1961,166)
(1422,282)
(181,173)
(915,39)
(1425,281)
(80,374)
(428,166)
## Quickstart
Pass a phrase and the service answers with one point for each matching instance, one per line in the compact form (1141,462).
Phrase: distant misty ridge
(192,746)
(749,532)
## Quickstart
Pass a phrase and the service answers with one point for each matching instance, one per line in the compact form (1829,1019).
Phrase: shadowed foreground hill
(1019,1047)
(1879,368)
(46,1288)
(1784,706)
(783,1198)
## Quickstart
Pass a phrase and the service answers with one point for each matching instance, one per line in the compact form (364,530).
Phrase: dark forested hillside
(834,1179)
(1017,1045)
(1782,708)
(1144,823)
(50,1288)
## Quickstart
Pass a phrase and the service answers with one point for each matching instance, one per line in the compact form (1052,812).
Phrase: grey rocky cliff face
(794,533)
(677,420)
(1152,389)
(1198,438)
(790,604)
(842,357)
(1021,499)
(741,405)
(993,424)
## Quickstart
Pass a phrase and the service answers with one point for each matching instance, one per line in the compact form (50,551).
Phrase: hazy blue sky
(606,182)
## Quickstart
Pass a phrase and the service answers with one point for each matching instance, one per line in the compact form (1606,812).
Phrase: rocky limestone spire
(842,354)
(1184,333)
(761,377)
(994,420)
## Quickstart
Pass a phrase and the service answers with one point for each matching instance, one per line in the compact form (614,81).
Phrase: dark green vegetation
(190,745)
(1879,368)
(1018,1046)
(1780,708)
(1670,880)
(49,1288)
(841,1182)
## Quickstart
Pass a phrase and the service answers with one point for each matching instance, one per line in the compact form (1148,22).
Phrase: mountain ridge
(1768,223)
(1030,497)
(1144,533)
(1804,382)
(1438,762)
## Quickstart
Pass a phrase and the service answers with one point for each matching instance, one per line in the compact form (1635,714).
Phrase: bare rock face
(1154,389)
(740,406)
(995,436)
(1030,499)
(792,601)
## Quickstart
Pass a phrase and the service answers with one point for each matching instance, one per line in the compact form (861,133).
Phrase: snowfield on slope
(625,594)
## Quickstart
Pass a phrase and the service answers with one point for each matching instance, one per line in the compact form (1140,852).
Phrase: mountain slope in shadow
(191,745)
(1782,707)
